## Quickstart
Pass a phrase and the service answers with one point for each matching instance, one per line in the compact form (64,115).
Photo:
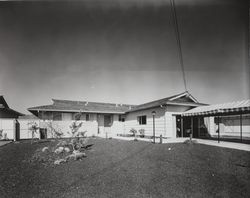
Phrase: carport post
(240,127)
(181,126)
(192,128)
(218,118)
(198,126)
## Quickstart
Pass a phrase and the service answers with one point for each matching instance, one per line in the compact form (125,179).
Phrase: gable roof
(3,103)
(185,99)
(216,109)
(5,111)
(83,106)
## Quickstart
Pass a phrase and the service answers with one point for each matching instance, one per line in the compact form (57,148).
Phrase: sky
(122,51)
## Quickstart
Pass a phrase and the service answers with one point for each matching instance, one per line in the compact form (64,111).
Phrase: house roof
(185,99)
(5,111)
(83,106)
(28,117)
(220,109)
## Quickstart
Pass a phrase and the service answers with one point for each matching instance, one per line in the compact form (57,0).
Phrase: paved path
(232,145)
(4,142)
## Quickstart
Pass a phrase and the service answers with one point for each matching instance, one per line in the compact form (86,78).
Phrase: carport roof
(230,108)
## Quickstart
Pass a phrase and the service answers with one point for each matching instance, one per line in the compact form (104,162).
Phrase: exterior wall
(230,126)
(64,126)
(117,127)
(25,133)
(132,122)
(165,120)
(8,127)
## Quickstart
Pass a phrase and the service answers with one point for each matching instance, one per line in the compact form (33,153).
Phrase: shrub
(142,132)
(133,131)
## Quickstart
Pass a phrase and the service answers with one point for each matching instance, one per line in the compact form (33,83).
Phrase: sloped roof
(83,106)
(184,98)
(28,117)
(5,111)
(231,107)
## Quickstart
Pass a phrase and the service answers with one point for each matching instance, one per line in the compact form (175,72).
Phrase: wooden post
(192,128)
(181,126)
(218,119)
(161,139)
(240,127)
(198,127)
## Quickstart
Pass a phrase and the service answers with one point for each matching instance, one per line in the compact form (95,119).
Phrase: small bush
(142,132)
(133,131)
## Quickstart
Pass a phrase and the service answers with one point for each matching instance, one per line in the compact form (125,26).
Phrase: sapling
(33,127)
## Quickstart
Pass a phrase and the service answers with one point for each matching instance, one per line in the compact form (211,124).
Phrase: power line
(177,35)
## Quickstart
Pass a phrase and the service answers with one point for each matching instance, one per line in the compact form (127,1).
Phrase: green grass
(116,168)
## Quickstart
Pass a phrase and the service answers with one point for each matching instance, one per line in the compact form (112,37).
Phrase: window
(142,120)
(87,117)
(121,118)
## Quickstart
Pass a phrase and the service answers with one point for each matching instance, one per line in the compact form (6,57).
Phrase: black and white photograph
(125,99)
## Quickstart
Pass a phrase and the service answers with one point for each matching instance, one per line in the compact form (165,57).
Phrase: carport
(240,110)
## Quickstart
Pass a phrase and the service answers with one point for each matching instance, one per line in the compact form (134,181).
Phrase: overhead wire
(177,35)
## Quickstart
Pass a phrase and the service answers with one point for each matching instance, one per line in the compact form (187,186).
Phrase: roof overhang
(74,111)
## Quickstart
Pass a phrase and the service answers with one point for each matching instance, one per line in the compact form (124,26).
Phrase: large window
(142,120)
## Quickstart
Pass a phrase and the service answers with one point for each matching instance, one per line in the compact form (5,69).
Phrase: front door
(107,123)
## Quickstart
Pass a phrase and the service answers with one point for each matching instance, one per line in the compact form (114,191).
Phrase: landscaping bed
(116,168)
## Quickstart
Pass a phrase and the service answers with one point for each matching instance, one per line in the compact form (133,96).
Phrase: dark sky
(122,51)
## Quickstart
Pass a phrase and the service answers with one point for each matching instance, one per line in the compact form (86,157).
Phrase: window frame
(140,120)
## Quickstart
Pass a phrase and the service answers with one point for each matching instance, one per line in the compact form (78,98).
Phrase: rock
(79,156)
(59,150)
(57,162)
(76,156)
(169,149)
(62,143)
(66,149)
(45,149)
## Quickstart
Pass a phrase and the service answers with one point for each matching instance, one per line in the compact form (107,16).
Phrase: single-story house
(110,119)
(220,120)
(9,126)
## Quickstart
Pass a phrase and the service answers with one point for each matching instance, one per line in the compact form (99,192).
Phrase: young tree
(33,127)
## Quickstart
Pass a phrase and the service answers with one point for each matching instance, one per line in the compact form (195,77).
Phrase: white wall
(230,126)
(8,127)
(131,121)
(25,133)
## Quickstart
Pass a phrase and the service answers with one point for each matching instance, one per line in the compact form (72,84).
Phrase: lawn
(116,168)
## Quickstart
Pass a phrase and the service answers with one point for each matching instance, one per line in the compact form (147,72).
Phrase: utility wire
(177,35)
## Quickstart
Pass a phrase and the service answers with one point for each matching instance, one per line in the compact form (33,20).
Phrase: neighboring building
(226,120)
(112,119)
(8,123)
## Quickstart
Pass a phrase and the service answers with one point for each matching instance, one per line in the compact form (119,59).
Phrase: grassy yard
(116,168)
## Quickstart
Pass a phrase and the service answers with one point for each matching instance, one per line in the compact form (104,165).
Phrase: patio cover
(231,108)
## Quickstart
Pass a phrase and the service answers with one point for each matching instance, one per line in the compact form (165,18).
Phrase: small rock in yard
(66,149)
(45,149)
(57,162)
(59,150)
(169,149)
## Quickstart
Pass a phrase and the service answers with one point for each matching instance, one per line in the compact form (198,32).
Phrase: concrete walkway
(4,142)
(232,145)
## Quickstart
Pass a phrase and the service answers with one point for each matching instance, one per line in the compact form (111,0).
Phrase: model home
(110,119)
